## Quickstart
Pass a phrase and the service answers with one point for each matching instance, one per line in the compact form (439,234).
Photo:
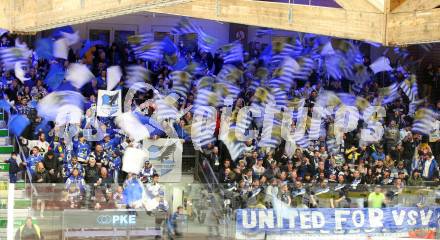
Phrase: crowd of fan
(402,158)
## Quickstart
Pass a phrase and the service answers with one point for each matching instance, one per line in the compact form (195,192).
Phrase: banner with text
(166,156)
(258,222)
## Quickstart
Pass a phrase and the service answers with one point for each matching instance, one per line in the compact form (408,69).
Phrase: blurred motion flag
(19,72)
(71,38)
(60,48)
(137,77)
(5,105)
(306,65)
(50,105)
(424,121)
(132,126)
(10,56)
(17,124)
(55,76)
(382,64)
(168,46)
(58,32)
(203,126)
(133,161)
(263,31)
(232,53)
(389,93)
(167,107)
(44,48)
(204,41)
(114,75)
(78,75)
(181,82)
(409,87)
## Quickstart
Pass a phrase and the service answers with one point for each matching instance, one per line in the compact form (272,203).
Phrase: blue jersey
(76,181)
(32,161)
(82,150)
(70,167)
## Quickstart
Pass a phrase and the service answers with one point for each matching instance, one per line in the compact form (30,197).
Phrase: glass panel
(159,36)
(121,36)
(99,34)
(189,41)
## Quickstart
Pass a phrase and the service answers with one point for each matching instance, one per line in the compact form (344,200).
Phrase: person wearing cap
(386,179)
(147,172)
(29,231)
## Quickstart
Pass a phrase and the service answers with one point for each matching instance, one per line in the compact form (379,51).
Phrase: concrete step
(18,204)
(5,141)
(18,213)
(18,194)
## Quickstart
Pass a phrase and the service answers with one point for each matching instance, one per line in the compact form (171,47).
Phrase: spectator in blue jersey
(73,165)
(116,166)
(110,144)
(33,159)
(180,129)
(81,148)
(430,167)
(378,154)
(76,180)
(176,223)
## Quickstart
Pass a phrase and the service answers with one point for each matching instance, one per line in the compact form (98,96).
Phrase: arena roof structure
(389,22)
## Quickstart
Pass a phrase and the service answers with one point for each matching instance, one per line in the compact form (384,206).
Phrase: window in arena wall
(99,34)
(122,35)
(280,39)
(159,36)
(189,41)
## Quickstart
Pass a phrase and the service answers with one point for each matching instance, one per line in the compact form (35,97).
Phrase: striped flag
(409,87)
(185,26)
(181,83)
(424,121)
(232,53)
(263,31)
(10,56)
(203,126)
(389,93)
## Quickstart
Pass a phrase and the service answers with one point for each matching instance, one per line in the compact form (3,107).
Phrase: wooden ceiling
(390,22)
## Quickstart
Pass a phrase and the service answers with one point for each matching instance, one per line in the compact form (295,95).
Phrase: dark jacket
(92,174)
(41,177)
(54,164)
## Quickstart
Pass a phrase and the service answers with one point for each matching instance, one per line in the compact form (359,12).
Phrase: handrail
(28,173)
